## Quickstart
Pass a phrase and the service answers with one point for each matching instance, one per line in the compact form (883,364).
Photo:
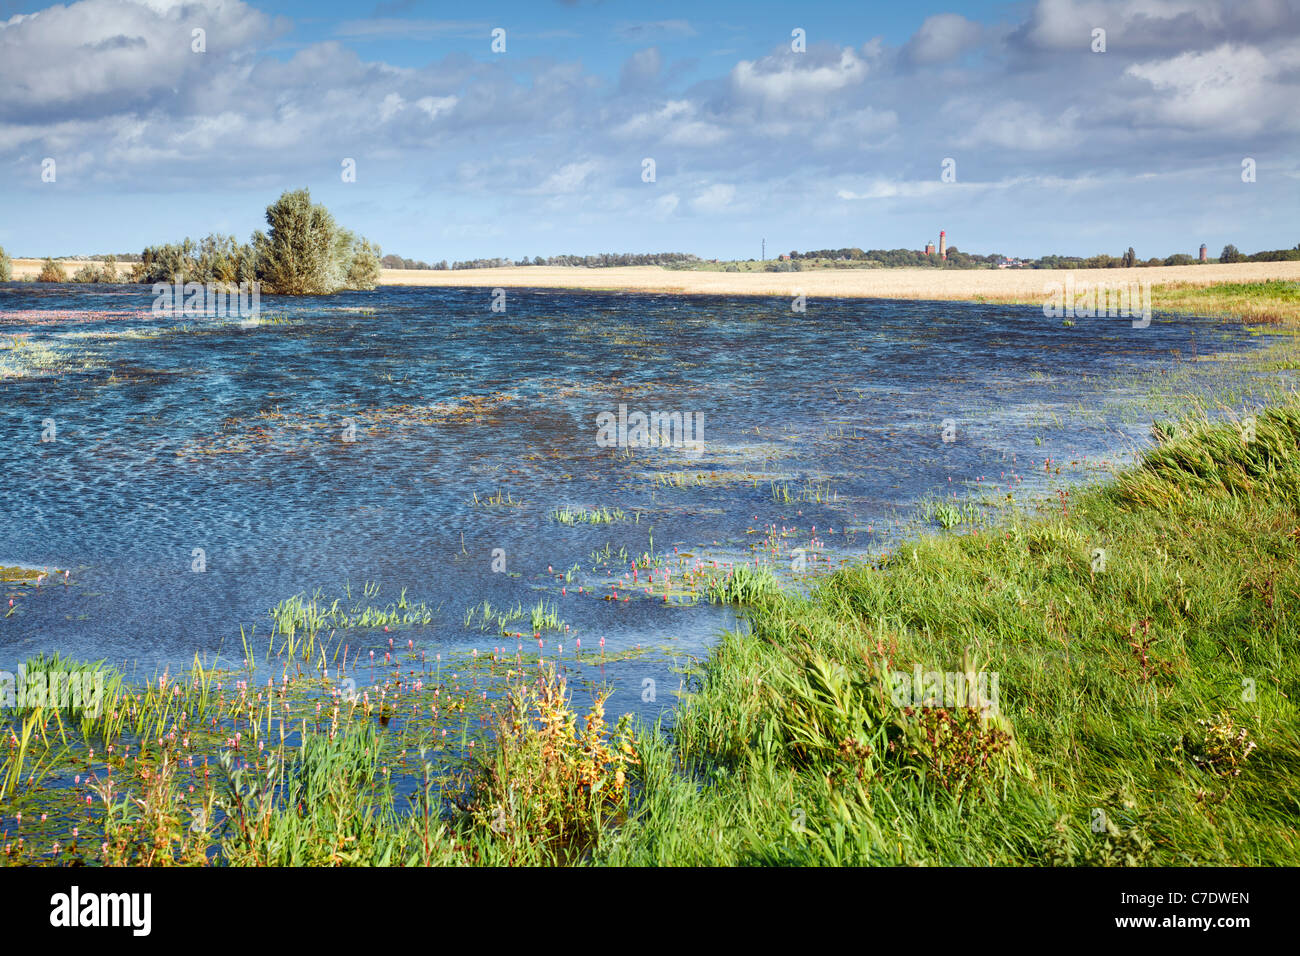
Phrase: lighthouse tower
(943,244)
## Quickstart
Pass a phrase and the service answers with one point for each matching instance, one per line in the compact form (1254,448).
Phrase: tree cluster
(302,252)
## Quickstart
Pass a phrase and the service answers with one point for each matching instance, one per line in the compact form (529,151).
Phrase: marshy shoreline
(1143,631)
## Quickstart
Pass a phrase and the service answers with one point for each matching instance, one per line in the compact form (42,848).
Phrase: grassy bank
(1274,301)
(1146,694)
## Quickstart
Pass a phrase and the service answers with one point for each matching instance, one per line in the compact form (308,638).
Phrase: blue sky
(461,152)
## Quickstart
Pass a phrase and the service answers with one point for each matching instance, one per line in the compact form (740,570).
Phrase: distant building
(943,244)
(929,248)
(1205,253)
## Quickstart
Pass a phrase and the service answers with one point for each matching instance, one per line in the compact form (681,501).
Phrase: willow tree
(305,252)
(296,256)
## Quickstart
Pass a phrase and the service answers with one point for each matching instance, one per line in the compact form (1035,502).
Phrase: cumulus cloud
(779,79)
(1230,88)
(113,89)
(1138,25)
(1016,125)
(714,199)
(941,38)
(74,60)
(675,123)
(570,178)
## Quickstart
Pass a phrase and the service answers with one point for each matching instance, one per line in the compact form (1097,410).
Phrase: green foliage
(299,255)
(89,274)
(1145,712)
(364,268)
(331,806)
(304,252)
(215,259)
(742,584)
(6,266)
(550,786)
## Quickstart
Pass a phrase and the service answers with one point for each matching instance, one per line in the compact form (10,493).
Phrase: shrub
(51,271)
(305,252)
(6,266)
(164,263)
(743,584)
(549,785)
(364,269)
(1219,746)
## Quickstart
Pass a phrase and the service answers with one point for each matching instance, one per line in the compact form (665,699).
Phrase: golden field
(29,268)
(994,285)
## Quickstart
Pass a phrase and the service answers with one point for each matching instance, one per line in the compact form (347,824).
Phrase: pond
(414,447)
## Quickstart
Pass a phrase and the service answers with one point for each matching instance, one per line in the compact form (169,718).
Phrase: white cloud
(569,178)
(1015,125)
(666,205)
(676,123)
(122,51)
(941,38)
(436,106)
(780,79)
(1229,88)
(714,199)
(641,68)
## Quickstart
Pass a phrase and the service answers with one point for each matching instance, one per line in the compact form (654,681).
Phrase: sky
(1016,127)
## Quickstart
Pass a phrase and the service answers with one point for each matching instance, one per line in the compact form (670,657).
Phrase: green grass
(602,515)
(1275,301)
(816,492)
(742,584)
(1148,705)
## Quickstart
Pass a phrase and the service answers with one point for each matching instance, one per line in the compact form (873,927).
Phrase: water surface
(177,434)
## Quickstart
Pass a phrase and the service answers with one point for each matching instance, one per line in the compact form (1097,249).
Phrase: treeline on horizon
(304,251)
(894,258)
(888,258)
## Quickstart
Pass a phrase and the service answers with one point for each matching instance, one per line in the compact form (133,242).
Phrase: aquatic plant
(602,515)
(497,499)
(550,786)
(817,492)
(741,584)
